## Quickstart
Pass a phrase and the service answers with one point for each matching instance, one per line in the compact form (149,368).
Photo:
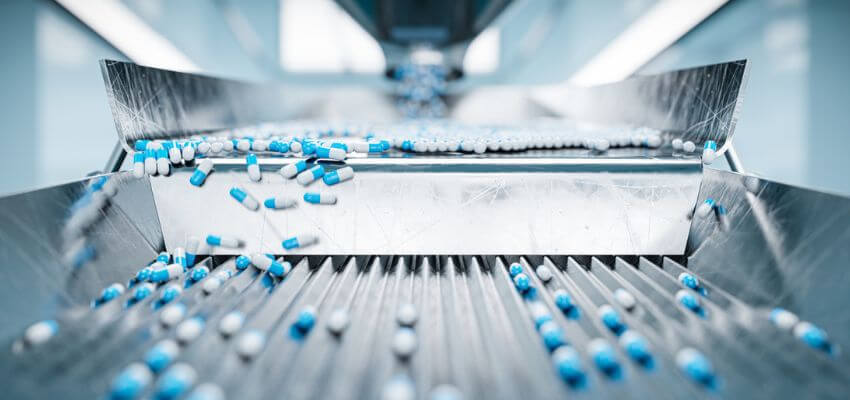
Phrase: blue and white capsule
(539,314)
(109,293)
(691,302)
(253,168)
(175,155)
(180,257)
(163,165)
(273,267)
(130,382)
(40,332)
(243,261)
(689,281)
(199,273)
(568,363)
(340,175)
(188,152)
(279,203)
(637,349)
(310,175)
(206,391)
(553,336)
(709,152)
(705,208)
(139,164)
(213,283)
(243,197)
(333,153)
(201,172)
(142,292)
(161,355)
(370,147)
(611,319)
(172,314)
(289,171)
(223,241)
(299,241)
(784,319)
(176,381)
(515,269)
(306,319)
(167,273)
(605,358)
(695,366)
(192,245)
(150,158)
(163,257)
(565,303)
(320,198)
(813,336)
(522,282)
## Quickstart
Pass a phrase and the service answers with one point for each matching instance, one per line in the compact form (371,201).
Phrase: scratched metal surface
(527,206)
(785,247)
(475,332)
(37,281)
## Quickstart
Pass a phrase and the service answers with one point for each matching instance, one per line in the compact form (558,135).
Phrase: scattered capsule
(626,299)
(539,313)
(253,168)
(696,366)
(192,250)
(604,358)
(243,197)
(206,391)
(112,291)
(291,170)
(398,387)
(813,336)
(446,392)
(705,208)
(279,203)
(299,241)
(611,319)
(243,261)
(544,273)
(130,382)
(306,319)
(340,175)
(690,302)
(172,314)
(568,364)
(189,330)
(162,355)
(165,274)
(330,152)
(223,241)
(250,343)
(199,273)
(176,381)
(310,175)
(274,268)
(201,172)
(783,319)
(139,164)
(404,342)
(338,321)
(40,332)
(320,198)
(170,293)
(180,257)
(231,323)
(553,336)
(515,269)
(522,282)
(635,346)
(407,315)
(709,152)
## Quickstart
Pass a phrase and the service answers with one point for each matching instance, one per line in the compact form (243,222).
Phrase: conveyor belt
(475,332)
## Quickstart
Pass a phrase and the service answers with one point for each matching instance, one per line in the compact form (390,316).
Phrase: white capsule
(231,323)
(174,155)
(172,314)
(404,342)
(279,203)
(250,343)
(446,392)
(243,145)
(216,147)
(260,145)
(626,300)
(398,388)
(783,319)
(227,146)
(689,146)
(295,147)
(407,315)
(139,164)
(253,168)
(479,147)
(188,152)
(40,332)
(207,391)
(189,330)
(544,273)
(338,321)
(653,141)
(150,159)
(677,144)
(211,285)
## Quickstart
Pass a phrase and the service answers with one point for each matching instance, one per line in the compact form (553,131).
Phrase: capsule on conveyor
(142,291)
(250,343)
(446,392)
(306,319)
(370,147)
(522,282)
(295,147)
(243,261)
(625,299)
(689,146)
(320,198)
(140,145)
(161,355)
(404,342)
(273,267)
(253,168)
(705,208)
(175,155)
(176,381)
(279,203)
(244,198)
(611,319)
(199,273)
(338,321)
(553,336)
(109,293)
(206,391)
(291,170)
(167,273)
(783,319)
(139,164)
(142,275)
(813,336)
(223,241)
(192,250)
(163,257)
(130,382)
(695,366)
(399,387)
(691,302)
(709,151)
(189,330)
(568,364)
(40,332)
(231,323)
(201,173)
(605,358)
(515,269)
(259,145)
(243,145)
(564,302)
(677,144)
(172,314)
(310,175)
(340,175)
(213,283)
(330,152)
(299,241)
(180,257)
(407,314)
(170,292)
(636,348)
(204,148)
(544,273)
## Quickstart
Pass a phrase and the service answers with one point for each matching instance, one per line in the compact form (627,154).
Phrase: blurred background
(57,125)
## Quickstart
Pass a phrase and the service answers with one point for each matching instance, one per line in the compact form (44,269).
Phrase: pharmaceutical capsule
(299,241)
(636,348)
(130,382)
(172,314)
(783,319)
(174,155)
(150,158)
(165,274)
(811,335)
(552,335)
(163,257)
(709,151)
(690,302)
(568,364)
(539,314)
(274,268)
(339,175)
(605,358)
(515,269)
(139,164)
(215,282)
(140,145)
(253,168)
(223,241)
(291,170)
(611,319)
(112,291)
(695,366)
(170,293)
(161,355)
(404,342)
(231,323)
(689,146)
(522,282)
(176,381)
(544,273)
(188,152)
(722,219)
(199,273)
(259,145)
(143,291)
(204,148)
(279,203)
(677,144)
(228,146)
(446,392)
(407,314)
(320,198)
(163,165)
(563,300)
(295,147)
(626,299)
(180,257)
(243,261)
(250,343)
(306,318)
(189,330)
(201,172)
(705,208)
(330,152)
(243,145)
(40,332)
(191,250)
(310,175)
(308,148)
(243,197)
(398,388)
(338,321)
(206,391)
(364,147)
